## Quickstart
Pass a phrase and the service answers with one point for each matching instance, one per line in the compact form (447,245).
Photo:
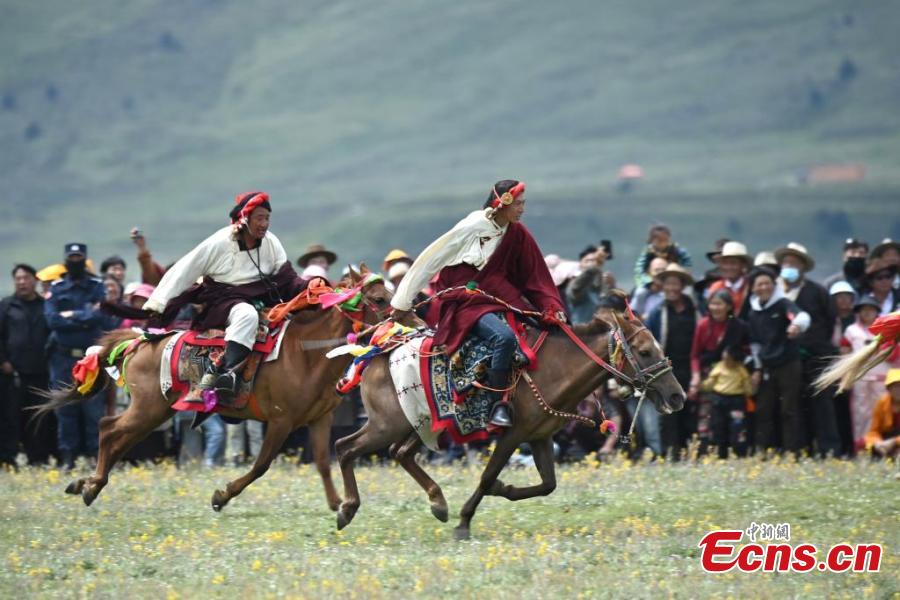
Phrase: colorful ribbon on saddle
(349,299)
(386,337)
(85,372)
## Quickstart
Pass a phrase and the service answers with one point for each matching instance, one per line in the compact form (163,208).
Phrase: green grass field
(611,530)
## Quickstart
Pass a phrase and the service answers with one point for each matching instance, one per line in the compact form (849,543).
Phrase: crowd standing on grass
(746,334)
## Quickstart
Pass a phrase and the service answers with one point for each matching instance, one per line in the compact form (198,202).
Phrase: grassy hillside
(379,124)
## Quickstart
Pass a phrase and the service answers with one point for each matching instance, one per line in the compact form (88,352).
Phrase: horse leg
(320,438)
(386,425)
(277,432)
(543,460)
(406,456)
(118,434)
(504,449)
(368,439)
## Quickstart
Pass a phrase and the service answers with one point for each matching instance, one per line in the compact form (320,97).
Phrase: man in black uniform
(23,366)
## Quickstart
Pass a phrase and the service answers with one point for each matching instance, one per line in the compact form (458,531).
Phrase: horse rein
(643,378)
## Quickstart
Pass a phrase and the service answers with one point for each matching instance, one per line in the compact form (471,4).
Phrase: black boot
(225,379)
(501,413)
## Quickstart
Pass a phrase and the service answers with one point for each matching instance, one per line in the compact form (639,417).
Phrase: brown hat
(314,251)
(680,272)
(886,243)
(879,264)
(798,250)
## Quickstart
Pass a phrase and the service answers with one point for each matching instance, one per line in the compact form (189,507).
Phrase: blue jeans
(648,423)
(78,428)
(213,441)
(496,332)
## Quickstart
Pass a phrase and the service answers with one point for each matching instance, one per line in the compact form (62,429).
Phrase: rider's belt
(73,352)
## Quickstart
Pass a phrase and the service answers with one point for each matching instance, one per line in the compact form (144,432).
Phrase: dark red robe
(516,273)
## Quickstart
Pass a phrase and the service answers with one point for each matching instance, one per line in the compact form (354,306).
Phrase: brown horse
(294,390)
(566,376)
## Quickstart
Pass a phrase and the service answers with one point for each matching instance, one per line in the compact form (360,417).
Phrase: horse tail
(847,369)
(69,394)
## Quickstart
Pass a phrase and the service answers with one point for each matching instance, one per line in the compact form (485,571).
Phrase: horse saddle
(191,354)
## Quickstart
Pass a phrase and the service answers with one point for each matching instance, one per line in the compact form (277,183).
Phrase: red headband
(243,214)
(507,198)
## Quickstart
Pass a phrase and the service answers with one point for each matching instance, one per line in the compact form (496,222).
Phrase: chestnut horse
(294,390)
(566,376)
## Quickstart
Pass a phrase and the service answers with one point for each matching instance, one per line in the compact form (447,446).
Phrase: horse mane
(307,317)
(594,327)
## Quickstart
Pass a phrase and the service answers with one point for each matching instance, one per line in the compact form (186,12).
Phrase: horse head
(376,298)
(642,360)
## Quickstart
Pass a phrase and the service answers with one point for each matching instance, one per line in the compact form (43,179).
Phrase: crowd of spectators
(746,337)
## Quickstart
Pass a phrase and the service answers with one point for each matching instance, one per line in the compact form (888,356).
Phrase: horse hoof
(218,500)
(88,496)
(440,512)
(75,487)
(461,534)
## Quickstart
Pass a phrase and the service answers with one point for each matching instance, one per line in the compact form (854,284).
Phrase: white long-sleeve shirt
(220,258)
(471,241)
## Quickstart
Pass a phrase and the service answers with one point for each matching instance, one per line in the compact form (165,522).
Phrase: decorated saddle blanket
(189,354)
(438,393)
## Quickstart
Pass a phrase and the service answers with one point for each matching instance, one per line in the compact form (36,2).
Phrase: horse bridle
(365,302)
(644,378)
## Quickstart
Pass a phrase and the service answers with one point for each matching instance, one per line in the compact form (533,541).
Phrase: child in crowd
(883,437)
(870,386)
(729,386)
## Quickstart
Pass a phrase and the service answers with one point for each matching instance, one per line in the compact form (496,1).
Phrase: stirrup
(501,415)
(226,386)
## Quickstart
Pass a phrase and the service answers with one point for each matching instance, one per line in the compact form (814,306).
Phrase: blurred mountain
(379,124)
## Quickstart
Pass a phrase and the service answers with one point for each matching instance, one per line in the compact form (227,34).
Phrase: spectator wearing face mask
(76,323)
(775,322)
(815,343)
(854,265)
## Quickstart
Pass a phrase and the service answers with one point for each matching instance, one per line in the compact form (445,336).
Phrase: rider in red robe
(493,249)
